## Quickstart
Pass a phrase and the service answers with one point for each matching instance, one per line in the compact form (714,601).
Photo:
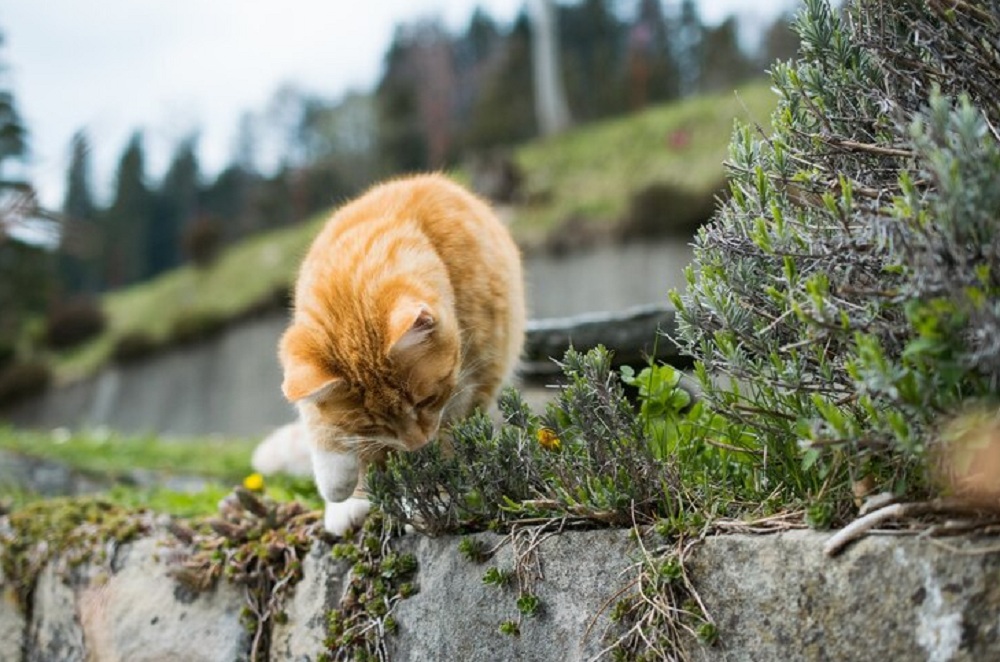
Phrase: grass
(110,453)
(589,174)
(242,277)
(223,462)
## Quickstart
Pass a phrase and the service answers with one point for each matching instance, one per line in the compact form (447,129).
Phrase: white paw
(345,515)
(336,474)
(286,450)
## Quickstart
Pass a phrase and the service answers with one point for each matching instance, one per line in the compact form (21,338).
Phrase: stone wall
(231,384)
(773,597)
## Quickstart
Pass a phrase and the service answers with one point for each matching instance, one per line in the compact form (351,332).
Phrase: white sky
(170,66)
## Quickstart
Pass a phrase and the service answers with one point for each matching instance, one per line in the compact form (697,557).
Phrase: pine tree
(176,205)
(652,70)
(229,199)
(128,219)
(13,135)
(26,271)
(478,56)
(13,148)
(402,144)
(504,113)
(688,37)
(593,53)
(724,65)
(80,240)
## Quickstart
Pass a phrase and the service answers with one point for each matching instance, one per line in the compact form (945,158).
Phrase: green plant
(19,380)
(115,454)
(660,614)
(255,542)
(594,459)
(472,549)
(510,628)
(8,352)
(73,322)
(588,456)
(528,604)
(846,297)
(195,326)
(497,577)
(202,240)
(664,209)
(133,346)
(379,579)
(662,401)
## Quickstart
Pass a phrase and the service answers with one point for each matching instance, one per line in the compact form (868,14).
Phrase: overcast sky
(171,66)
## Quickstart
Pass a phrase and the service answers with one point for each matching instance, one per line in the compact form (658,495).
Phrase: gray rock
(50,478)
(228,384)
(886,598)
(775,597)
(45,477)
(134,614)
(55,632)
(320,590)
(12,623)
(455,616)
(633,334)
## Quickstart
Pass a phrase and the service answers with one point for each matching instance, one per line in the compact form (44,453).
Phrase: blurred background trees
(441,99)
(26,270)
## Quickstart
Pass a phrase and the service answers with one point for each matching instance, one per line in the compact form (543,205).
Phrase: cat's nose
(415,436)
(416,441)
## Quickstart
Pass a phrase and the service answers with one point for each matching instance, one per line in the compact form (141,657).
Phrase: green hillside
(592,173)
(586,175)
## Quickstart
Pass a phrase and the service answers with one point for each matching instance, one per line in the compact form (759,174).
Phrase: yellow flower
(548,440)
(254,482)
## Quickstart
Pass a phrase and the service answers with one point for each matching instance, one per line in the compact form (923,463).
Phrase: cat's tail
(286,450)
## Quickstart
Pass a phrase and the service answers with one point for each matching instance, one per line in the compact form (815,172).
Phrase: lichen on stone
(68,531)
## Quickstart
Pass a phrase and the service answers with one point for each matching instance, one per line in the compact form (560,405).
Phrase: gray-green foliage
(846,296)
(588,456)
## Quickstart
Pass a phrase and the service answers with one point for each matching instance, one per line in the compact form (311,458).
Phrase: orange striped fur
(409,313)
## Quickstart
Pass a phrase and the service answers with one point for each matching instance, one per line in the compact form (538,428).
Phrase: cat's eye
(371,430)
(426,402)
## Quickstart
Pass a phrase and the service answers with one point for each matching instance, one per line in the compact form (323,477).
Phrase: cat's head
(364,382)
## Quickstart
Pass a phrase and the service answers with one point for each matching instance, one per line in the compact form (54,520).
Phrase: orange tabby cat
(409,313)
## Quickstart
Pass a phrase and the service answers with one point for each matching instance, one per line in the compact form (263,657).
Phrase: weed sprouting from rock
(256,543)
(380,577)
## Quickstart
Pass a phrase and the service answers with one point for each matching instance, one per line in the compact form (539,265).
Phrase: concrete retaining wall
(231,384)
(774,597)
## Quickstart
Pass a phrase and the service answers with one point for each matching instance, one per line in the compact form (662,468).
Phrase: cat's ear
(409,325)
(305,382)
(306,376)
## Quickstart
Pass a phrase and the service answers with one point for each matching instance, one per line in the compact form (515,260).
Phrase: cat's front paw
(336,474)
(346,515)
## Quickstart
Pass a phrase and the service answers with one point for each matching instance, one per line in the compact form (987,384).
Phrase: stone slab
(885,598)
(455,616)
(12,623)
(300,639)
(134,611)
(773,597)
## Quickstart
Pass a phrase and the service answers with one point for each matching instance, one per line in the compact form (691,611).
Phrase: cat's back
(413,228)
(451,217)
(405,216)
